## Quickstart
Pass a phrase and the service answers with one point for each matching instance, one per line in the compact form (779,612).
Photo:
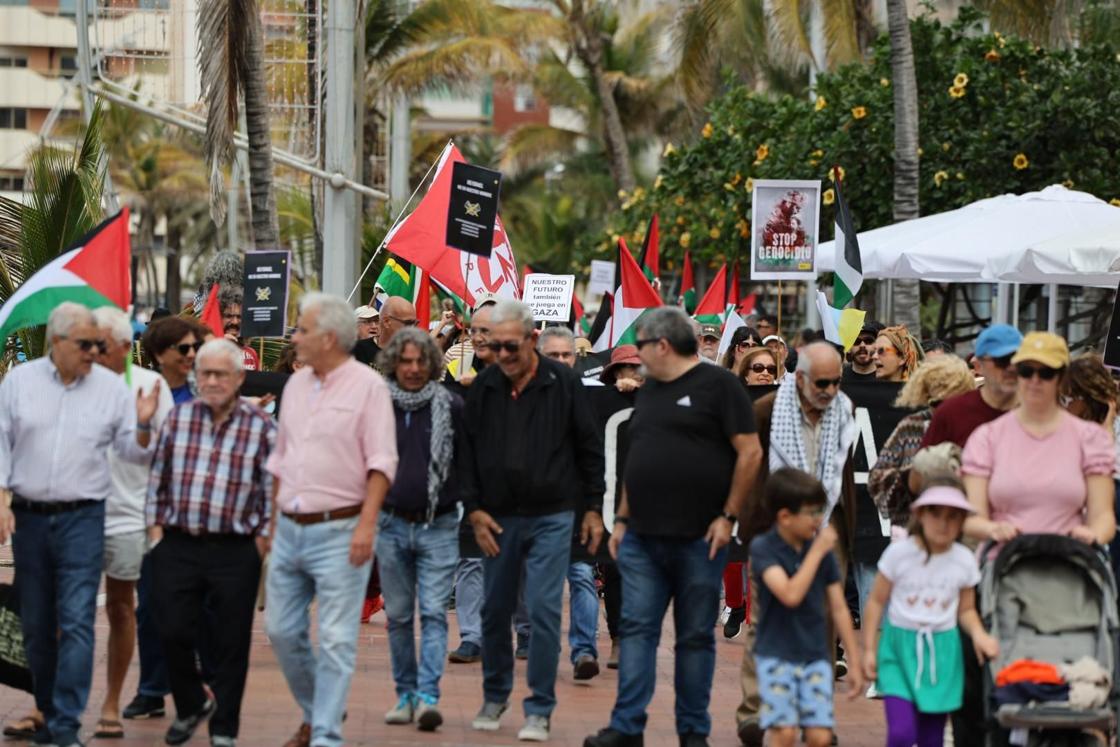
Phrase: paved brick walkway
(269,715)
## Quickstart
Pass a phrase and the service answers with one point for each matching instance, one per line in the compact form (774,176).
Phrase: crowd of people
(464,466)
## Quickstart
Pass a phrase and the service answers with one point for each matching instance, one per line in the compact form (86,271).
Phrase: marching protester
(230,300)
(126,538)
(766,325)
(861,358)
(334,459)
(758,367)
(171,345)
(896,354)
(672,527)
(799,587)
(917,658)
(418,530)
(208,514)
(367,320)
(743,340)
(623,372)
(808,424)
(708,338)
(396,314)
(777,346)
(52,502)
(537,461)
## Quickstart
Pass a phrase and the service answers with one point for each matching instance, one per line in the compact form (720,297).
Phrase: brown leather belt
(320,516)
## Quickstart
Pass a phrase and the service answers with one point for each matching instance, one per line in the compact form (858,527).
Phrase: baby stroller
(1051,599)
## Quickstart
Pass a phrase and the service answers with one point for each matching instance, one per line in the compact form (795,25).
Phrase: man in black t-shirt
(693,455)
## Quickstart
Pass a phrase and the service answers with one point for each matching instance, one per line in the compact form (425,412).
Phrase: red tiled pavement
(269,715)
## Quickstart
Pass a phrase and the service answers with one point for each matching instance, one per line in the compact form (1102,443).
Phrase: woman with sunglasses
(1039,469)
(758,367)
(742,340)
(896,354)
(170,345)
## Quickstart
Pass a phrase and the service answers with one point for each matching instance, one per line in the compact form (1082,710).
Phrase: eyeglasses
(187,347)
(1027,371)
(510,346)
(87,345)
(403,322)
(745,344)
(884,351)
(1001,362)
(826,383)
(760,367)
(639,344)
(865,341)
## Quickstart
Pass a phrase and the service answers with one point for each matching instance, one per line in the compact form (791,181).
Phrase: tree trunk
(589,49)
(907,293)
(262,199)
(174,279)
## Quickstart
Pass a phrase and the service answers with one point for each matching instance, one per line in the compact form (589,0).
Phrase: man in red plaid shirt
(208,512)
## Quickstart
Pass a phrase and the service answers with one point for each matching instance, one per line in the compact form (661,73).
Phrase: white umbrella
(978,242)
(1082,257)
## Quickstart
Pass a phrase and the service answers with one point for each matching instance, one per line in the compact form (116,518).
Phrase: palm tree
(231,56)
(907,293)
(63,204)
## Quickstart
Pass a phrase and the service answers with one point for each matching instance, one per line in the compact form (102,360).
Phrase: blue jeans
(313,562)
(583,603)
(468,600)
(864,576)
(542,544)
(654,571)
(417,563)
(58,558)
(154,682)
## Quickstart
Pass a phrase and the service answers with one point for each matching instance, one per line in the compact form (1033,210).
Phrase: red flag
(423,299)
(212,313)
(714,301)
(648,259)
(637,293)
(421,239)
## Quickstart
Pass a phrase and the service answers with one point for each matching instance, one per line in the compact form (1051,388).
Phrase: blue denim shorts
(794,694)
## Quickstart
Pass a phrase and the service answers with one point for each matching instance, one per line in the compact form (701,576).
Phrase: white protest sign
(549,296)
(602,278)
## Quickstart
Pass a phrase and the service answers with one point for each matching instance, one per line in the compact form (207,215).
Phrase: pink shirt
(1038,484)
(333,433)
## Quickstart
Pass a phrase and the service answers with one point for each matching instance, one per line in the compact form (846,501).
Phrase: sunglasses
(884,351)
(1001,362)
(865,341)
(87,345)
(187,347)
(760,367)
(826,383)
(404,322)
(745,344)
(1027,371)
(510,346)
(639,344)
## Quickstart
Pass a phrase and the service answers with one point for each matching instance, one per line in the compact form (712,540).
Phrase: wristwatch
(732,518)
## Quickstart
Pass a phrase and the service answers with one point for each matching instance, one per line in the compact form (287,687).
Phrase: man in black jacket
(536,462)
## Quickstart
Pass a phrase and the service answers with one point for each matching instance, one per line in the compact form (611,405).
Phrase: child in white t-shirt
(930,581)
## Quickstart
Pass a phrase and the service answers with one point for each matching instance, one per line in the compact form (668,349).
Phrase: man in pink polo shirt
(335,457)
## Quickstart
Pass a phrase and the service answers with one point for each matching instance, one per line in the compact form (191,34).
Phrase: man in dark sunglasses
(396,314)
(861,360)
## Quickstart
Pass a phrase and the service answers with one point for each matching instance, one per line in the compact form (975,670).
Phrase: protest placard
(264,312)
(472,208)
(549,296)
(602,278)
(784,229)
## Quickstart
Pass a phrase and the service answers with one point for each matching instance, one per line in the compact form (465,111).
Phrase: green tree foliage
(998,114)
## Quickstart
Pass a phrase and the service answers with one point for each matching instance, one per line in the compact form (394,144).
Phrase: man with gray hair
(231,298)
(126,539)
(537,461)
(208,519)
(59,415)
(335,457)
(807,424)
(673,525)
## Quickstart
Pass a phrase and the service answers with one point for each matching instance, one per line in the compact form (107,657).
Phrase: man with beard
(861,363)
(230,300)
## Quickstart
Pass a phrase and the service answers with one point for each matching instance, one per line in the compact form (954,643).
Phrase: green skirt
(935,683)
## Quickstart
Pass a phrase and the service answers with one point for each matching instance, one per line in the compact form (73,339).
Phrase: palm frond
(791,39)
(560,86)
(694,36)
(840,31)
(457,65)
(533,144)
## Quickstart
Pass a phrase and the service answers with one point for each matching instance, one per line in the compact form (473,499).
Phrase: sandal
(108,729)
(25,727)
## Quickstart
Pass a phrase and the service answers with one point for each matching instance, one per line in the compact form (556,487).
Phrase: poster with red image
(785,216)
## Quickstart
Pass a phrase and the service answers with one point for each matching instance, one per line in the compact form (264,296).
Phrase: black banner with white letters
(473,207)
(264,312)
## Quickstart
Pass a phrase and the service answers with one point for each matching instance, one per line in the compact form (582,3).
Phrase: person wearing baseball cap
(957,417)
(367,319)
(861,360)
(708,338)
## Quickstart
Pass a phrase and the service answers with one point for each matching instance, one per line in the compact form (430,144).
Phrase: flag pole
(394,225)
(779,308)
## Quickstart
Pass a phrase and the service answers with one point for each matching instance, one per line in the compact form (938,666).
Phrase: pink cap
(943,495)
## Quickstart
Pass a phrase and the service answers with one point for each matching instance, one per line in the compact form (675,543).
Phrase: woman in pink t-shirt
(1039,469)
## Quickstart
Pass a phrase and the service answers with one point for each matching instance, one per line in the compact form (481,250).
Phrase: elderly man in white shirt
(59,415)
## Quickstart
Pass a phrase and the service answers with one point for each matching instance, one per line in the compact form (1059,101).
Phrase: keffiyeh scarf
(787,445)
(442,438)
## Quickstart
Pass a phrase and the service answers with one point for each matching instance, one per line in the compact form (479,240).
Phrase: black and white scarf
(443,435)
(787,444)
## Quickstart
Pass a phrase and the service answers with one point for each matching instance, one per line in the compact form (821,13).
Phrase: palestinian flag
(687,299)
(713,306)
(648,259)
(849,267)
(633,296)
(94,271)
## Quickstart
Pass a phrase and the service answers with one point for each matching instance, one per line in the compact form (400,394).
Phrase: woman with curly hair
(896,354)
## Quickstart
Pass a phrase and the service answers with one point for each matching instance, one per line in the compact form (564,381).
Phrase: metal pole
(85,78)
(1015,305)
(1052,308)
(400,147)
(340,213)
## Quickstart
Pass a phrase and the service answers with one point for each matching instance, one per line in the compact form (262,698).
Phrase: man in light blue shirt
(58,417)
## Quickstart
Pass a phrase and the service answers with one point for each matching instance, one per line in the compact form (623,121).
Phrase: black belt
(417,517)
(51,507)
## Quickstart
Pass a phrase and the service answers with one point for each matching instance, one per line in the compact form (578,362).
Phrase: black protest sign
(473,207)
(1112,342)
(264,312)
